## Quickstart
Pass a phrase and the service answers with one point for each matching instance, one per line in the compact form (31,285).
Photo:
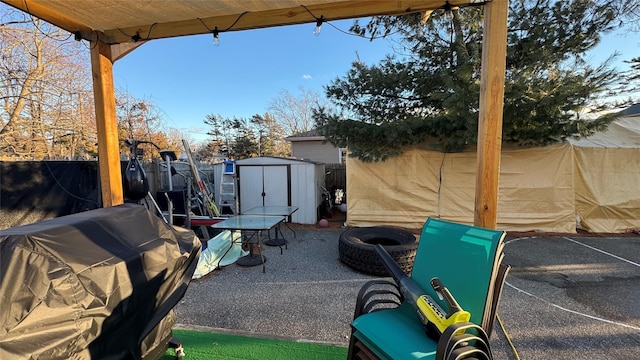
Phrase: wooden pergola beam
(277,17)
(253,17)
(494,54)
(107,125)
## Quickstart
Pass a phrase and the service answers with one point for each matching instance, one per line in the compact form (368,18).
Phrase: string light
(321,20)
(448,11)
(316,30)
(216,37)
(216,32)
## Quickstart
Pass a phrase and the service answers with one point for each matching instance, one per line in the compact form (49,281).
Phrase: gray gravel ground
(305,293)
(565,298)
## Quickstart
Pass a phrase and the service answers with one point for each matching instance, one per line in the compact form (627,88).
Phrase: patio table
(272,210)
(250,226)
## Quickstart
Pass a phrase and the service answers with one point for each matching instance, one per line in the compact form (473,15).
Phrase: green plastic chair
(467,260)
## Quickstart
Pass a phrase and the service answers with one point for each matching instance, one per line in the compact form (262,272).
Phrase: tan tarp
(401,192)
(608,195)
(593,181)
(607,176)
(536,189)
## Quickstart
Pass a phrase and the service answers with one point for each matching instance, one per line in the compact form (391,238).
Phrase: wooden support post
(494,53)
(105,103)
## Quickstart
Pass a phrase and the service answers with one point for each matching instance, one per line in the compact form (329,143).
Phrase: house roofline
(305,138)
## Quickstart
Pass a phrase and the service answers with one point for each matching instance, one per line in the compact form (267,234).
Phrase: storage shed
(274,181)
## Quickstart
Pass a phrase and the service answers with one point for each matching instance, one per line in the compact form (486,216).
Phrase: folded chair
(468,260)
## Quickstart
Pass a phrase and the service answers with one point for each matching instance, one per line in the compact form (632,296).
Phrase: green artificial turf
(207,345)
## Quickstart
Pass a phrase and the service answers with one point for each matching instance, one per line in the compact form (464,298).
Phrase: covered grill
(94,285)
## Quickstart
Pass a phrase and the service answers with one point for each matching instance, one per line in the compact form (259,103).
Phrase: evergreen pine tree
(430,93)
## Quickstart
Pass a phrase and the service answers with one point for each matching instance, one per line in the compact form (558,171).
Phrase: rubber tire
(356,248)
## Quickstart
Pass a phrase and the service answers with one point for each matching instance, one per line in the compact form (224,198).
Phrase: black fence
(32,191)
(336,176)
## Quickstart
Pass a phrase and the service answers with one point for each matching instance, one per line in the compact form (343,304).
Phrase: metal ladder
(204,193)
(228,195)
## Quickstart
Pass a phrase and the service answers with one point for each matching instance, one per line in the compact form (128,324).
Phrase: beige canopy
(580,184)
(116,27)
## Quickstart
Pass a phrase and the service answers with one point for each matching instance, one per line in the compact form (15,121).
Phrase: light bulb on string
(216,37)
(448,11)
(316,30)
(449,15)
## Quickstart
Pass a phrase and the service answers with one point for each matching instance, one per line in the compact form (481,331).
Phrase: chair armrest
(454,345)
(377,295)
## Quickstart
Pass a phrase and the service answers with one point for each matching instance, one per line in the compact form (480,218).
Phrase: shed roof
(313,134)
(274,160)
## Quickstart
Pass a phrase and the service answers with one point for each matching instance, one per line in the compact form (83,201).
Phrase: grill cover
(100,284)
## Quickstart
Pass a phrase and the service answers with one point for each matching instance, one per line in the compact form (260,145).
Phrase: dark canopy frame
(117,27)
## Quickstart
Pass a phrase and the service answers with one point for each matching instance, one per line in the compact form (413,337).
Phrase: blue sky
(189,78)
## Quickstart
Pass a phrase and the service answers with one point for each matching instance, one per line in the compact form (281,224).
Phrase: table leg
(255,256)
(290,228)
(279,240)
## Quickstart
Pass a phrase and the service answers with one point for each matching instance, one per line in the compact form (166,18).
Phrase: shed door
(263,186)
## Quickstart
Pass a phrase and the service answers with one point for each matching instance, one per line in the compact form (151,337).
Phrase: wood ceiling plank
(89,18)
(277,17)
(50,15)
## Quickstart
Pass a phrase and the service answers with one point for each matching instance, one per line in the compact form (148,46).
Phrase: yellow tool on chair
(430,313)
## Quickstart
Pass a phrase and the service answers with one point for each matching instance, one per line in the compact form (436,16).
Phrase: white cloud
(307,77)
